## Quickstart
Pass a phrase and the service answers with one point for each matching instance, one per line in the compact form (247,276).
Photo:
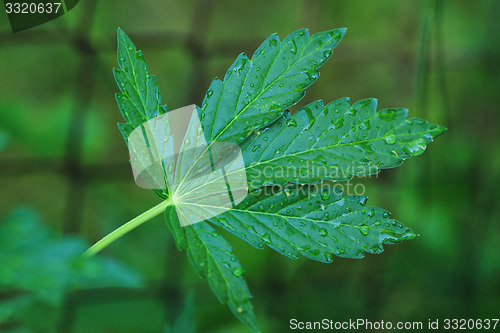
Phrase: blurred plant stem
(127,227)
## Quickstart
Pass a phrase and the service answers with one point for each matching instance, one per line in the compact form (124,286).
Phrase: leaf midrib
(315,222)
(284,216)
(135,84)
(333,146)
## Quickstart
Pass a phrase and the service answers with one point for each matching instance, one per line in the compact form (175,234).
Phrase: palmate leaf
(334,142)
(249,108)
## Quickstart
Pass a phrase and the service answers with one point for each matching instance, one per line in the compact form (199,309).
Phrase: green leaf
(254,93)
(314,222)
(39,268)
(213,259)
(334,142)
(140,99)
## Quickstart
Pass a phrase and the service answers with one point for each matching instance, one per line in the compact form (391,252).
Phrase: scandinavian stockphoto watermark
(170,152)
(308,174)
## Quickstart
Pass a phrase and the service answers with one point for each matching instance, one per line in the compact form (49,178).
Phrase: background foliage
(64,157)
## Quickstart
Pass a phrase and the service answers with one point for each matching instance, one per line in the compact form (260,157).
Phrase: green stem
(127,227)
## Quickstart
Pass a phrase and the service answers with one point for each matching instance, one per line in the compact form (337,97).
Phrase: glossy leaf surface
(213,259)
(313,222)
(254,93)
(334,142)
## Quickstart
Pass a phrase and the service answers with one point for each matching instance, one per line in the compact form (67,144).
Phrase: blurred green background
(65,178)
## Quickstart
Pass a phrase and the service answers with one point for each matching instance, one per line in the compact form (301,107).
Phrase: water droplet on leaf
(389,138)
(237,271)
(323,232)
(291,123)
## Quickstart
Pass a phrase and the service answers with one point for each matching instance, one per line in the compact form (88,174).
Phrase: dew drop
(323,232)
(291,123)
(364,230)
(351,111)
(339,123)
(266,238)
(389,138)
(254,149)
(325,195)
(237,271)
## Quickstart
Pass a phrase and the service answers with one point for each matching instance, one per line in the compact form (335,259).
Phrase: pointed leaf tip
(435,132)
(120,33)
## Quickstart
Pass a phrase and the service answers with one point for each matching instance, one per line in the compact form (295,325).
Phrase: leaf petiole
(127,227)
